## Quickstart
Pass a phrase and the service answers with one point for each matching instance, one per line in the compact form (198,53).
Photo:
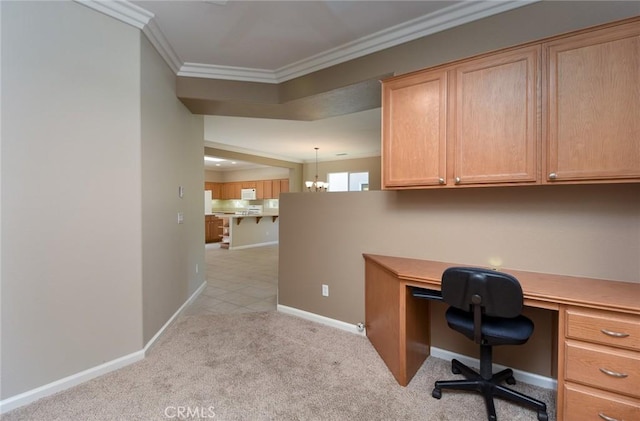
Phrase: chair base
(489,388)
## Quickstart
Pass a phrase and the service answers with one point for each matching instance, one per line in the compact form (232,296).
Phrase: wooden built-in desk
(598,331)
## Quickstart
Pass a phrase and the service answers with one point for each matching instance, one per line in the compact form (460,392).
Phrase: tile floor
(238,281)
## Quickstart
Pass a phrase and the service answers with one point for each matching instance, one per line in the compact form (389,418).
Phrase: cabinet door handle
(604,417)
(553,176)
(457,180)
(613,373)
(614,334)
(441,180)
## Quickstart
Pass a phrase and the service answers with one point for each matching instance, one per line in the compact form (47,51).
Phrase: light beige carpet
(266,366)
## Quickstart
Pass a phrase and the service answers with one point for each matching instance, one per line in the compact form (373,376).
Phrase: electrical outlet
(196,268)
(180,218)
(325,290)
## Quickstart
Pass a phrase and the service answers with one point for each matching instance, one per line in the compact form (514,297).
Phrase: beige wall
(588,230)
(71,208)
(94,147)
(172,141)
(370,165)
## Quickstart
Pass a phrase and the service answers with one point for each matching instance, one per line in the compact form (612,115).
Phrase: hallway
(238,281)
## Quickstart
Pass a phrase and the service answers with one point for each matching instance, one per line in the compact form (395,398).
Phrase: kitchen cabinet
(215,188)
(472,123)
(212,228)
(559,110)
(265,189)
(284,185)
(217,191)
(232,190)
(593,124)
(279,186)
(260,190)
(275,189)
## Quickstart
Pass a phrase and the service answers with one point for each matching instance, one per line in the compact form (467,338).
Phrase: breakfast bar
(241,230)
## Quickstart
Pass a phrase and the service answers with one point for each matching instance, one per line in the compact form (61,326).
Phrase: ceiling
(275,41)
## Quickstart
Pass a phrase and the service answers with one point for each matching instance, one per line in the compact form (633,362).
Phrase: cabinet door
(593,89)
(260,190)
(495,123)
(236,190)
(231,191)
(267,187)
(275,188)
(414,130)
(216,190)
(284,185)
(208,232)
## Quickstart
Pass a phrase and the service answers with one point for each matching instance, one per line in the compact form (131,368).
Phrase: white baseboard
(523,376)
(270,243)
(186,304)
(33,395)
(321,319)
(68,382)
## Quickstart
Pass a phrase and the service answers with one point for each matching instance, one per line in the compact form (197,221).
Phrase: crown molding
(227,73)
(140,18)
(449,17)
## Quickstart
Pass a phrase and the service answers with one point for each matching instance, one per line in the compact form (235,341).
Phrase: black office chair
(485,306)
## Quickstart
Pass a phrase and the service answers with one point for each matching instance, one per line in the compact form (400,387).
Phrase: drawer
(587,363)
(620,330)
(583,403)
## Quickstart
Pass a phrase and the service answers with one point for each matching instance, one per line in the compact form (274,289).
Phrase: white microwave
(248,194)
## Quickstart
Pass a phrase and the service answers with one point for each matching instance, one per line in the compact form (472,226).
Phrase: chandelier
(316,185)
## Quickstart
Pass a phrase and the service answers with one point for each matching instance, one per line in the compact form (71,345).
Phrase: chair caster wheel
(542,416)
(437,393)
(511,380)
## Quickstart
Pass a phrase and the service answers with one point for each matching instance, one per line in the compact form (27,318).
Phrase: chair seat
(495,331)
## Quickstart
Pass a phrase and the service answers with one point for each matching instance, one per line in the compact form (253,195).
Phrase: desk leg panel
(382,318)
(397,323)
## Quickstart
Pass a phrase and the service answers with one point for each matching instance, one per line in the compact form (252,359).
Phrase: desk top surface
(540,289)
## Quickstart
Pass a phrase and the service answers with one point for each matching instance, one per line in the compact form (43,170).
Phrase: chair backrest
(499,294)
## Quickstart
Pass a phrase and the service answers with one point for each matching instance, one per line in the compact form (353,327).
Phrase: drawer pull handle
(604,417)
(614,334)
(613,373)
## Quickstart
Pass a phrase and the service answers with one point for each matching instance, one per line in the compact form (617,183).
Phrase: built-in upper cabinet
(414,125)
(564,109)
(472,123)
(593,114)
(495,125)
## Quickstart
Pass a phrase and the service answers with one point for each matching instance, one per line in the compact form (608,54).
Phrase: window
(344,181)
